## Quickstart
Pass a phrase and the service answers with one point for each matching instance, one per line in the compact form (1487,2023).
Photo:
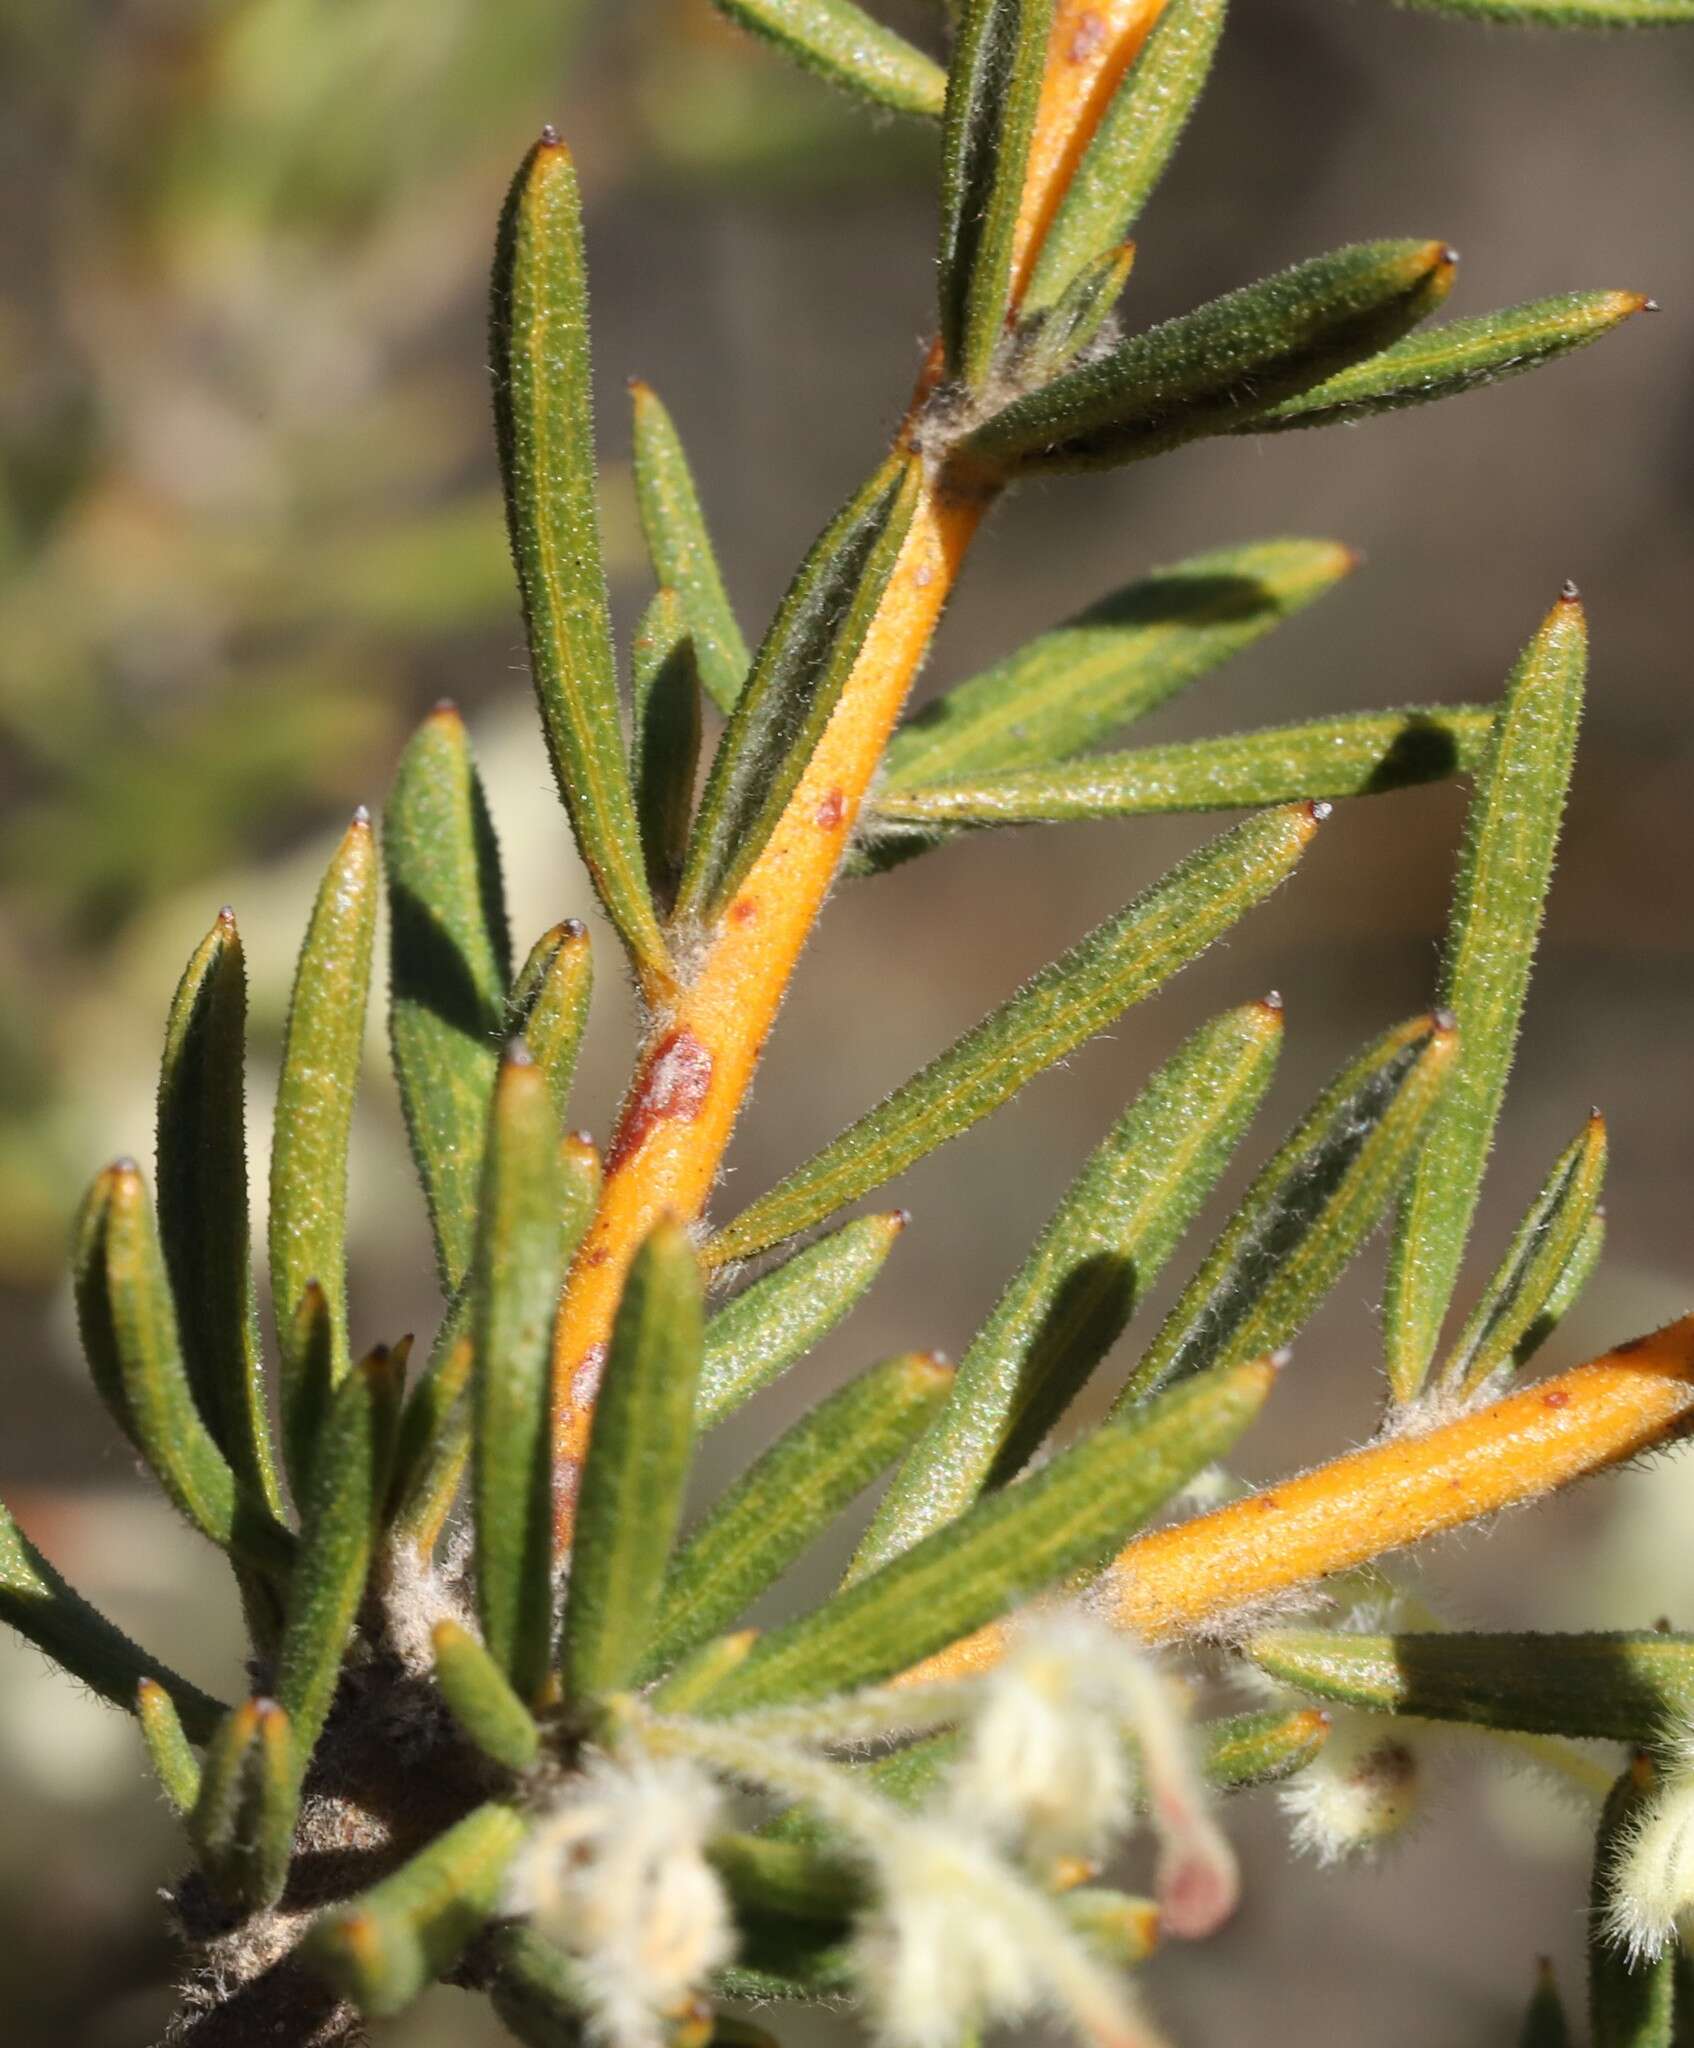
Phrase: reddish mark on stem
(1558,1398)
(743,910)
(1086,37)
(832,812)
(672,1088)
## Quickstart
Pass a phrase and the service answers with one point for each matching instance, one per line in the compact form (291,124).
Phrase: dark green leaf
(549,1006)
(435,1436)
(202,1167)
(242,1824)
(1630,2002)
(1205,371)
(514,1293)
(1443,361)
(451,964)
(1066,1306)
(993,90)
(757,1335)
(1129,149)
(786,1499)
(1504,873)
(545,433)
(666,750)
(538,1991)
(1309,1210)
(1121,962)
(1567,13)
(795,683)
(637,1468)
(1578,1271)
(314,1115)
(481,1700)
(681,549)
(1545,2025)
(850,48)
(1068,1517)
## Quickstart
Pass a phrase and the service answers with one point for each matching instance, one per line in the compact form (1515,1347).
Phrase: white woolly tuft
(1360,1793)
(1652,1875)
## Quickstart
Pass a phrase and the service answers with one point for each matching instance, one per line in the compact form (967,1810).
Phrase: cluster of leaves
(422,1685)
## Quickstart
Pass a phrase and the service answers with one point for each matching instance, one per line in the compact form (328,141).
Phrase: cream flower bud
(1652,1875)
(1359,1794)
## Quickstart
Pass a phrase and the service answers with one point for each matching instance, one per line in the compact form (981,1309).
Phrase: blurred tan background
(249,530)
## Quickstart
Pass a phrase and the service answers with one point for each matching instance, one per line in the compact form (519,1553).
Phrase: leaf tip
(1271,1002)
(549,137)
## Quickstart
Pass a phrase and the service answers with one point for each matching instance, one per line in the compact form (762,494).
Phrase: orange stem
(1202,1573)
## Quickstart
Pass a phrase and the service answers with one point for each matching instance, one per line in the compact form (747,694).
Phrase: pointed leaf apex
(1319,811)
(361,821)
(898,1220)
(550,137)
(516,1054)
(1568,593)
(1647,305)
(444,711)
(1444,1021)
(226,917)
(123,1168)
(571,930)
(1271,1000)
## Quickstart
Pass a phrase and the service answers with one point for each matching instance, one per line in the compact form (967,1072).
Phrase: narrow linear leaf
(337,1533)
(549,1005)
(174,1763)
(1631,2003)
(242,1823)
(545,433)
(203,1226)
(1206,371)
(1504,871)
(44,1610)
(538,1991)
(849,48)
(450,963)
(314,1114)
(387,1947)
(788,1497)
(1539,1257)
(681,551)
(129,1331)
(1050,341)
(993,90)
(1131,146)
(701,1673)
(1566,13)
(1073,687)
(1620,1687)
(1544,2024)
(1066,1306)
(309,1349)
(666,750)
(760,1332)
(1309,1209)
(482,1701)
(1068,1517)
(1120,963)
(1357,754)
(433,1447)
(795,683)
(1459,356)
(1566,1290)
(637,1468)
(515,1290)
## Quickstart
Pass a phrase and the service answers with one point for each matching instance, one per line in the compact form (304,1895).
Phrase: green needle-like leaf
(481,1700)
(1049,341)
(242,1823)
(1131,146)
(549,1006)
(1623,1687)
(309,1350)
(451,967)
(174,1763)
(993,89)
(795,683)
(1544,2024)
(1459,356)
(1062,1311)
(1121,962)
(758,1334)
(202,1180)
(1537,1260)
(433,1445)
(681,549)
(637,1468)
(788,1497)
(545,432)
(36,1602)
(515,1289)
(129,1332)
(314,1115)
(850,48)
(1244,1750)
(1073,687)
(337,1532)
(1504,872)
(388,1946)
(1579,1270)
(1068,1517)
(666,750)
(1205,371)
(1631,2001)
(1309,1210)
(1358,754)
(1566,13)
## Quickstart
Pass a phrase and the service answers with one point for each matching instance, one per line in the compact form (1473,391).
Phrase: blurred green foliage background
(249,530)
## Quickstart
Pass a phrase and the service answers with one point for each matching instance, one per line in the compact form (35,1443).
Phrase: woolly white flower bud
(1652,1874)
(1361,1791)
(617,1875)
